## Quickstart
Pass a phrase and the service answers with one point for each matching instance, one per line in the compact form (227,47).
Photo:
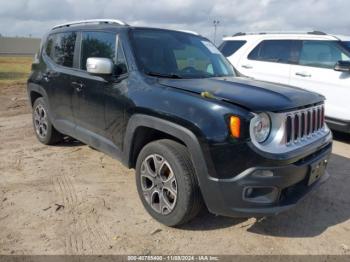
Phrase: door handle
(303,74)
(78,86)
(47,75)
(247,66)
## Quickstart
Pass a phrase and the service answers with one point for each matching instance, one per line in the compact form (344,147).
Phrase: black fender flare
(32,87)
(173,129)
(181,133)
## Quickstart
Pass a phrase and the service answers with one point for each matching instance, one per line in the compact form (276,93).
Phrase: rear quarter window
(60,48)
(230,47)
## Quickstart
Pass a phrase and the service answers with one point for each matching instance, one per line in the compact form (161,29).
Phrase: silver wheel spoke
(158,162)
(155,200)
(146,170)
(147,166)
(171,185)
(165,206)
(36,117)
(44,129)
(148,194)
(149,177)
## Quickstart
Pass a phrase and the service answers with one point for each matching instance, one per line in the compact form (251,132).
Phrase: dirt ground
(70,199)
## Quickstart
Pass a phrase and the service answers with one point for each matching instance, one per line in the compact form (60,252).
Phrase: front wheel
(166,182)
(44,130)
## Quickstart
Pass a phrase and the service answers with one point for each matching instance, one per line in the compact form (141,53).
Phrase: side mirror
(342,66)
(99,66)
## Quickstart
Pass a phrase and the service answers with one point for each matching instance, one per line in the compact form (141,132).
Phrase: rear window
(60,48)
(228,48)
(280,51)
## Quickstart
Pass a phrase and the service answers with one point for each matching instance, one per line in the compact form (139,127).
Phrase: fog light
(249,191)
(263,173)
(263,195)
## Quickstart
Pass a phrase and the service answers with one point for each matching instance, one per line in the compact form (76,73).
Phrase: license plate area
(317,170)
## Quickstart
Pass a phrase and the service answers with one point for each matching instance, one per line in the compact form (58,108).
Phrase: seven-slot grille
(303,124)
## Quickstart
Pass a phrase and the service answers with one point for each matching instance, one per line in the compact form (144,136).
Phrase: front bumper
(338,124)
(291,182)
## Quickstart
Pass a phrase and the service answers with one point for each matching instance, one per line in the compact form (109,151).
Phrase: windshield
(174,54)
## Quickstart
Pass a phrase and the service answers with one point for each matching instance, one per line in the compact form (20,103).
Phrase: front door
(98,103)
(90,90)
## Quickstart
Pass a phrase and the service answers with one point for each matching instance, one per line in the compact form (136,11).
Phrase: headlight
(261,127)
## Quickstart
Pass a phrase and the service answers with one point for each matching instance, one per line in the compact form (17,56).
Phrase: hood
(251,94)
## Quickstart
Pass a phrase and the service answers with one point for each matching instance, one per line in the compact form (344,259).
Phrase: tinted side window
(323,54)
(60,48)
(49,45)
(97,44)
(280,51)
(228,48)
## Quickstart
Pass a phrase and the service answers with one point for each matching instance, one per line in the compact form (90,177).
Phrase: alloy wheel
(158,183)
(40,121)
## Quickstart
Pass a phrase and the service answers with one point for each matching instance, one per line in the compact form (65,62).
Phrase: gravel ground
(71,199)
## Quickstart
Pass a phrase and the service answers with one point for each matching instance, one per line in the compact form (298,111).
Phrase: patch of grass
(14,69)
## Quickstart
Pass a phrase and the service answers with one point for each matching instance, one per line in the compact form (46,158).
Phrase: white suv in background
(314,61)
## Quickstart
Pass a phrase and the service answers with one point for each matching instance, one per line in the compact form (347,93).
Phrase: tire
(167,183)
(43,128)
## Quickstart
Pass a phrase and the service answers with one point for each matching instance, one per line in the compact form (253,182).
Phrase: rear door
(315,72)
(269,61)
(59,55)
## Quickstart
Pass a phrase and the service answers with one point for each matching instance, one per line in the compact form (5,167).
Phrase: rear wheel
(44,130)
(166,182)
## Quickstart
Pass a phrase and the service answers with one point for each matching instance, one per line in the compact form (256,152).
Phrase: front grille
(303,124)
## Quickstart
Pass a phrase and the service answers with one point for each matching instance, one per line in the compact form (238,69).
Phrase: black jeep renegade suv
(168,104)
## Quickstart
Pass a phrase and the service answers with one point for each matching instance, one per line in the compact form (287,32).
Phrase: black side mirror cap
(342,66)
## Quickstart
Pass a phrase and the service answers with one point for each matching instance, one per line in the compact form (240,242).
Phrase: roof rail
(187,31)
(315,32)
(91,21)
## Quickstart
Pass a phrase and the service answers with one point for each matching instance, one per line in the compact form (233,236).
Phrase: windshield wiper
(151,73)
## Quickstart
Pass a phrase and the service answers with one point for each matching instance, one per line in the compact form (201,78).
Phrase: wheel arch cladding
(181,135)
(154,125)
(34,95)
(144,135)
(35,91)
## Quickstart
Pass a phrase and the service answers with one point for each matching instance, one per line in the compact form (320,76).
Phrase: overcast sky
(34,17)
